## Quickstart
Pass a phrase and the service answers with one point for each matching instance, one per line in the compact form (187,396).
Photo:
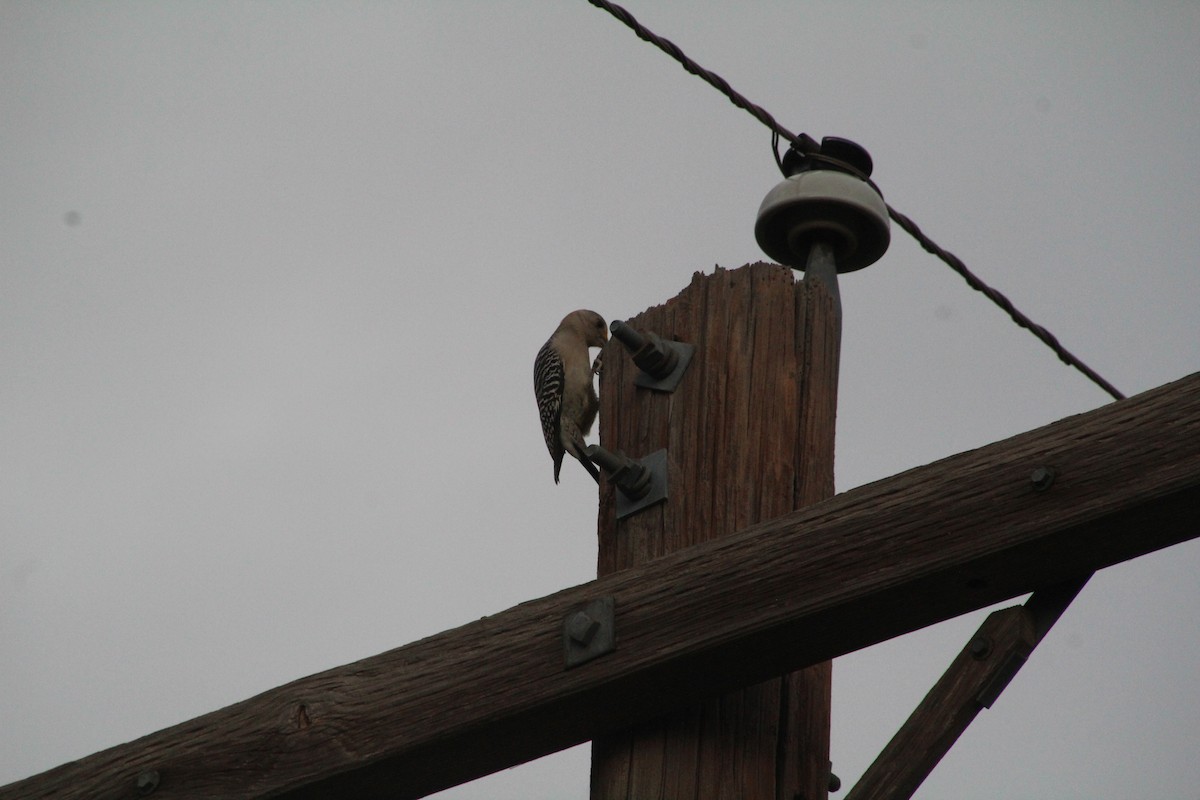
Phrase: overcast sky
(272,277)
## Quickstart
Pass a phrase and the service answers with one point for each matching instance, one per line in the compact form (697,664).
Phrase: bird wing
(549,378)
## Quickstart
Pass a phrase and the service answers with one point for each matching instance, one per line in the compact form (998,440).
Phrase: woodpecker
(562,382)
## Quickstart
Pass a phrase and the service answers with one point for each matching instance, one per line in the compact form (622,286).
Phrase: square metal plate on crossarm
(588,631)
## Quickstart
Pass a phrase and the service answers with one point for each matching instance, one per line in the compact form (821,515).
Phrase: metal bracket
(640,484)
(662,362)
(589,631)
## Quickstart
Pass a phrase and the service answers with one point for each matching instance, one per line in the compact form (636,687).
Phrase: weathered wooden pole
(749,436)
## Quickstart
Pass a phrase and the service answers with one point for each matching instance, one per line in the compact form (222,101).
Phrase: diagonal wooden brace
(976,676)
(974,680)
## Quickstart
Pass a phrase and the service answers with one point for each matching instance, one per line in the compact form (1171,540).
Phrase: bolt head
(1042,478)
(980,648)
(147,782)
(582,628)
(835,783)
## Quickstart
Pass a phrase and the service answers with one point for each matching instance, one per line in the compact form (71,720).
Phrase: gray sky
(272,277)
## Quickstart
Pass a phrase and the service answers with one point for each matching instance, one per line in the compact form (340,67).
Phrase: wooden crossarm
(869,564)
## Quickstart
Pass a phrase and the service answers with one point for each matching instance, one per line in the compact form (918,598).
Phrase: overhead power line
(955,263)
(806,144)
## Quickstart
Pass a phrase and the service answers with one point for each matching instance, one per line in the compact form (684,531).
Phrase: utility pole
(748,435)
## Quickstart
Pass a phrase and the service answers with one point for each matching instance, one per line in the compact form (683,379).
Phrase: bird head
(590,325)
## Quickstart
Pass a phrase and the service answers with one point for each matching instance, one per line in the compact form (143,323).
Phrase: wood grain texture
(749,437)
(871,563)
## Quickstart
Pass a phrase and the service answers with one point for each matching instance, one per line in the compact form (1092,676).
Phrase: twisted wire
(807,145)
(956,264)
(803,142)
